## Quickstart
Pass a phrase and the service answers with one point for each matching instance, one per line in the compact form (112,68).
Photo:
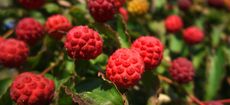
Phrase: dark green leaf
(99,92)
(215,74)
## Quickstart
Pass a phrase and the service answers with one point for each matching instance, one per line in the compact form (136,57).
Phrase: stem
(165,79)
(54,64)
(196,100)
(8,33)
(224,101)
(102,75)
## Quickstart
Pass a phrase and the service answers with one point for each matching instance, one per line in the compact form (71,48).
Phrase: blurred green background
(77,82)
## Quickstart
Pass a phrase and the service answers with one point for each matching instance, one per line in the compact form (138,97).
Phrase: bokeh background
(77,82)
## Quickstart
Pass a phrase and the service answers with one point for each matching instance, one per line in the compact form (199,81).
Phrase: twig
(8,33)
(224,101)
(53,64)
(165,79)
(102,75)
(196,100)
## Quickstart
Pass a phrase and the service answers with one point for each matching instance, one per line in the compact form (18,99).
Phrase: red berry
(83,42)
(216,3)
(184,4)
(1,39)
(29,30)
(193,35)
(124,13)
(150,49)
(13,52)
(182,70)
(124,68)
(32,4)
(57,25)
(173,23)
(213,103)
(32,89)
(119,3)
(101,10)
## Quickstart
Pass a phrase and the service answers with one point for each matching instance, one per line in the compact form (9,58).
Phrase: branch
(196,100)
(54,64)
(8,33)
(165,79)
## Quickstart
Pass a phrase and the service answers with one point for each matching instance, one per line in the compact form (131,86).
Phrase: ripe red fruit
(150,49)
(1,39)
(173,23)
(182,70)
(32,4)
(193,35)
(213,103)
(29,30)
(119,3)
(83,42)
(101,10)
(184,4)
(13,52)
(57,25)
(216,3)
(32,89)
(124,13)
(124,68)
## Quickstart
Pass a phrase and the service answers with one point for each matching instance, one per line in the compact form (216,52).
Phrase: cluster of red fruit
(187,4)
(31,89)
(191,35)
(124,68)
(104,10)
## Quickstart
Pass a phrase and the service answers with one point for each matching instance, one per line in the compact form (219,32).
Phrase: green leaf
(216,36)
(122,36)
(78,13)
(52,8)
(215,74)
(176,44)
(109,35)
(5,98)
(60,97)
(227,54)
(70,66)
(99,92)
(160,3)
(150,81)
(4,85)
(4,93)
(197,60)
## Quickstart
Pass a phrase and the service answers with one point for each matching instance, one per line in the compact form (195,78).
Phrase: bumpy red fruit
(193,35)
(213,103)
(29,30)
(182,70)
(184,4)
(32,89)
(83,42)
(173,23)
(150,49)
(216,3)
(1,39)
(57,25)
(125,67)
(101,10)
(32,4)
(119,3)
(13,52)
(124,13)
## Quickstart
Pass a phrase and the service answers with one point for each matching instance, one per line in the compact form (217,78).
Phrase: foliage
(82,82)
